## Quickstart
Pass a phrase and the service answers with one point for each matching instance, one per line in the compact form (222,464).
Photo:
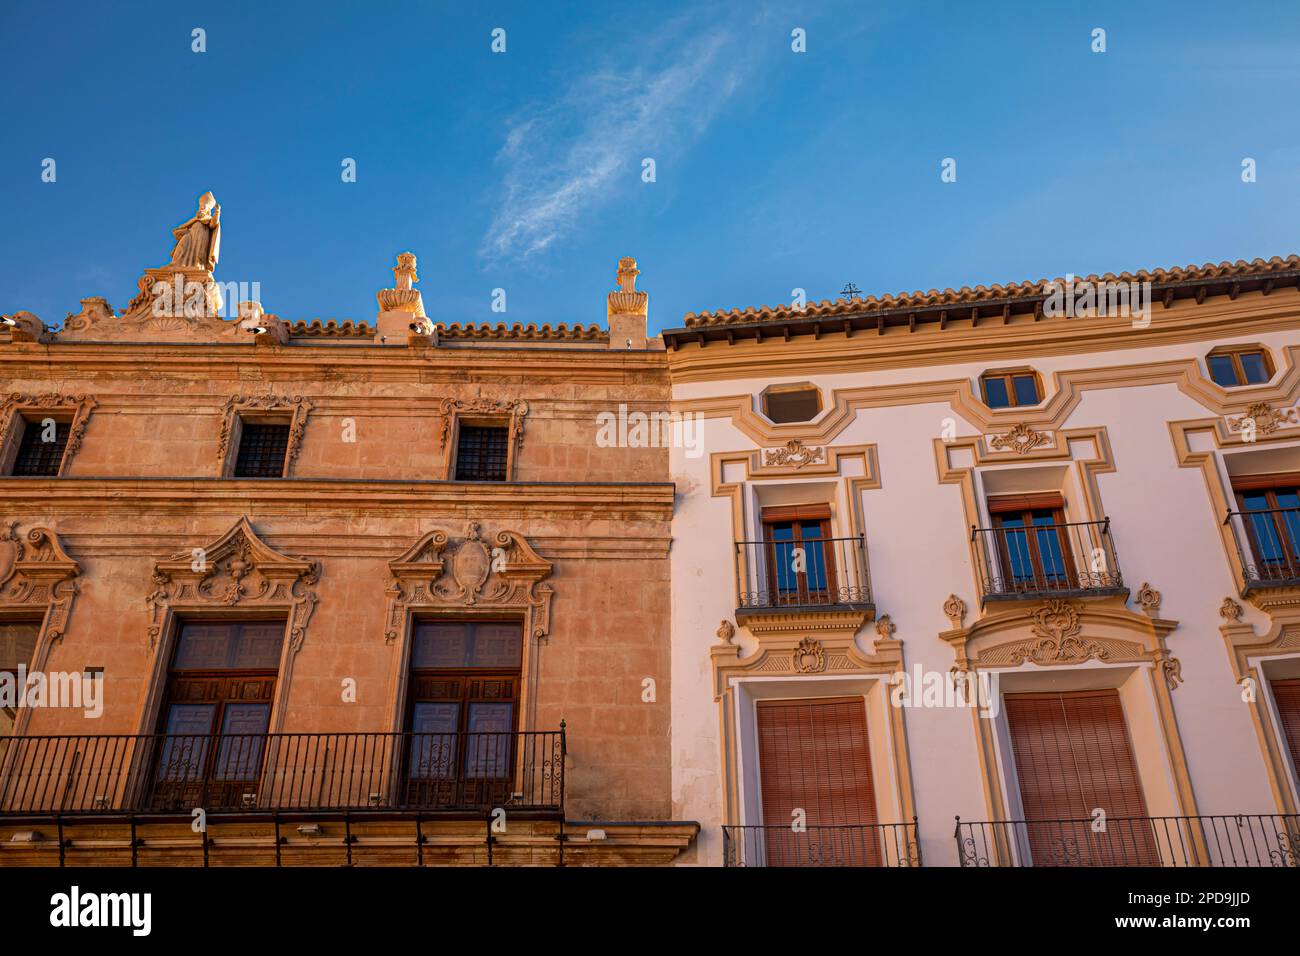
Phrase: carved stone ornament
(27,327)
(955,609)
(1057,626)
(515,409)
(1148,599)
(1172,668)
(1267,419)
(41,406)
(1022,439)
(809,657)
(238,570)
(1230,610)
(794,453)
(37,574)
(726,632)
(297,406)
(885,627)
(502,573)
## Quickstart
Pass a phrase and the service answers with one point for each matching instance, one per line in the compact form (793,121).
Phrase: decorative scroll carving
(794,453)
(78,406)
(1230,610)
(238,570)
(37,574)
(726,632)
(809,657)
(433,574)
(297,406)
(1172,668)
(1267,419)
(515,409)
(955,609)
(1022,439)
(1057,625)
(1148,599)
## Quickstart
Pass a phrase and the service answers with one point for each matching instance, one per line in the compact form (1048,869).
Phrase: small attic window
(783,404)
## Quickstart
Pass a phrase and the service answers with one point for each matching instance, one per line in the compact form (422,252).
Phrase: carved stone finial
(627,299)
(403,297)
(1148,599)
(726,631)
(1230,610)
(955,609)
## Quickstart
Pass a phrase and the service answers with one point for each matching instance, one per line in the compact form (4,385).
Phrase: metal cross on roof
(850,291)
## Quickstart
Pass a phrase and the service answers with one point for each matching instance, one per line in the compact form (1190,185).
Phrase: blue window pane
(1026,390)
(1222,371)
(1252,363)
(995,393)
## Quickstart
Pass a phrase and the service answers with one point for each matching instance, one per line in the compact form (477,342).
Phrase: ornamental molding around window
(75,408)
(1070,446)
(473,575)
(238,571)
(296,408)
(38,578)
(961,395)
(1212,437)
(1249,652)
(1074,638)
(833,653)
(513,412)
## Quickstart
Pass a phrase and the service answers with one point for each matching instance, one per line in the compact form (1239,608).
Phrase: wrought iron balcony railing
(1046,560)
(164,773)
(815,572)
(1268,544)
(1241,840)
(851,844)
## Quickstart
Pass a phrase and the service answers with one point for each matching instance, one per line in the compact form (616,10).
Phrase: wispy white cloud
(563,160)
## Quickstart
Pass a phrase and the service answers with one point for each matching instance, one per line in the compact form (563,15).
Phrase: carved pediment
(470,571)
(34,568)
(239,569)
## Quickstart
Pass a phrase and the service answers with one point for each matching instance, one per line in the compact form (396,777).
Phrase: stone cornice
(129,494)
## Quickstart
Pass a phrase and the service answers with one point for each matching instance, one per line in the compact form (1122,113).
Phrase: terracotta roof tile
(561,332)
(967,295)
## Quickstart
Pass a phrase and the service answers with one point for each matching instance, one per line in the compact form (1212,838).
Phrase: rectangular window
(482,452)
(462,713)
(1033,548)
(262,450)
(814,756)
(792,405)
(1286,694)
(1073,757)
(41,448)
(1270,514)
(17,644)
(800,555)
(215,714)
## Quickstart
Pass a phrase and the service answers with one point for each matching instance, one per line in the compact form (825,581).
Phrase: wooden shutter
(814,755)
(1286,694)
(1072,757)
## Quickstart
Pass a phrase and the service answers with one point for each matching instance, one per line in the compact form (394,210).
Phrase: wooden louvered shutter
(814,756)
(1072,757)
(1286,693)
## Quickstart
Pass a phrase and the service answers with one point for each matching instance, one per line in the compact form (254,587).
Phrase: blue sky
(523,170)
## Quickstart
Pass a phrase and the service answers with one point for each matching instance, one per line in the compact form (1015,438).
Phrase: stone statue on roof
(198,239)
